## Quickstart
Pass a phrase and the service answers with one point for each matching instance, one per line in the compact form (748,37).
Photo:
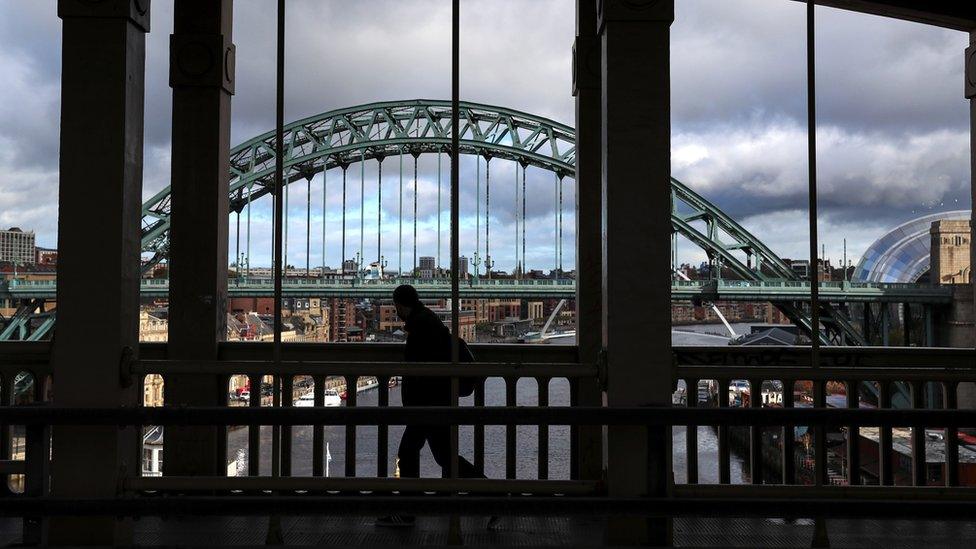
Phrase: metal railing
(252,494)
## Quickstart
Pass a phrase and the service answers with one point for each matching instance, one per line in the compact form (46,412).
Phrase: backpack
(466,385)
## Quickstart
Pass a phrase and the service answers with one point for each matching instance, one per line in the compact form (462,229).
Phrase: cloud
(893,126)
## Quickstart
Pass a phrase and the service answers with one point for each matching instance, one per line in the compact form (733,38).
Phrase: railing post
(885,450)
(951,402)
(37,446)
(724,452)
(919,472)
(636,172)
(202,78)
(789,436)
(691,433)
(755,434)
(853,436)
(587,441)
(102,104)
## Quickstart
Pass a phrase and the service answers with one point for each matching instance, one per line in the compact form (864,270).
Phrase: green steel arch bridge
(378,131)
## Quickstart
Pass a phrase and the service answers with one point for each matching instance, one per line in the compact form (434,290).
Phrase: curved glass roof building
(902,255)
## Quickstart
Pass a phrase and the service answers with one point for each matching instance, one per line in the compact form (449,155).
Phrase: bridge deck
(716,290)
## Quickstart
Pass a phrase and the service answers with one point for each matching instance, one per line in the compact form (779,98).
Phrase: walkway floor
(535,532)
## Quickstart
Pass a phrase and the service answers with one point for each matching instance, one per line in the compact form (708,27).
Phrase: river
(527,436)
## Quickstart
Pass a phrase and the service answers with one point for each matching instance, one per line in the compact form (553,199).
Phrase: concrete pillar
(100,195)
(202,78)
(636,222)
(588,442)
(971,95)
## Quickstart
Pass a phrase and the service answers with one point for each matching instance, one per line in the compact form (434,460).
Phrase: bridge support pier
(199,223)
(102,97)
(587,443)
(636,170)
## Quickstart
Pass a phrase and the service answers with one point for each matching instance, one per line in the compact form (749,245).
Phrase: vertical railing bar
(288,399)
(543,385)
(819,437)
(510,433)
(382,431)
(789,436)
(853,436)
(574,439)
(755,434)
(479,429)
(276,428)
(279,214)
(691,434)
(318,431)
(352,386)
(919,476)
(254,430)
(724,462)
(6,451)
(884,438)
(951,402)
(222,400)
(455,218)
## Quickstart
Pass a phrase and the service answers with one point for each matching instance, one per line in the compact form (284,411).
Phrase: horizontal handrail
(491,415)
(338,484)
(423,369)
(935,508)
(931,374)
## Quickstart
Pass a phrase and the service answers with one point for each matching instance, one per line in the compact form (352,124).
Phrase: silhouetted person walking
(428,340)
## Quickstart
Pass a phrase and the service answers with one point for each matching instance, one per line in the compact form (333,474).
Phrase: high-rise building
(17,246)
(463,267)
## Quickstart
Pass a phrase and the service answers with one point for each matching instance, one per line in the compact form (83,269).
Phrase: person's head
(405,299)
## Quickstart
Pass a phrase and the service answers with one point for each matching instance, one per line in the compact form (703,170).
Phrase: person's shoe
(493,522)
(396,521)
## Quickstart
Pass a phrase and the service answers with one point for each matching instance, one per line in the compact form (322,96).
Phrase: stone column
(588,440)
(971,95)
(202,78)
(636,224)
(100,196)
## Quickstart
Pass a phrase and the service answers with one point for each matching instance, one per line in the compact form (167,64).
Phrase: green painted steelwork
(776,291)
(378,130)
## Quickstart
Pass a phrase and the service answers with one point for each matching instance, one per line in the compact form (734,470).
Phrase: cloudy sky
(893,128)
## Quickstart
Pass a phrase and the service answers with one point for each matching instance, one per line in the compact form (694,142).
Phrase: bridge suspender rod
(516,266)
(488,262)
(284,190)
(237,252)
(362,212)
(308,227)
(379,213)
(477,213)
(342,265)
(555,223)
(325,189)
(524,261)
(414,271)
(400,220)
(248,237)
(439,210)
(560,248)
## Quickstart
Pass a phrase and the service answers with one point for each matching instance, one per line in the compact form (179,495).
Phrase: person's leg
(411,443)
(439,439)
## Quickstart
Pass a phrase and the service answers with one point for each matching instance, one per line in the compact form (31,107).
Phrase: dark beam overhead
(952,14)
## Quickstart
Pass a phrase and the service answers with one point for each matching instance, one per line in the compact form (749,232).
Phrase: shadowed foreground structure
(621,489)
